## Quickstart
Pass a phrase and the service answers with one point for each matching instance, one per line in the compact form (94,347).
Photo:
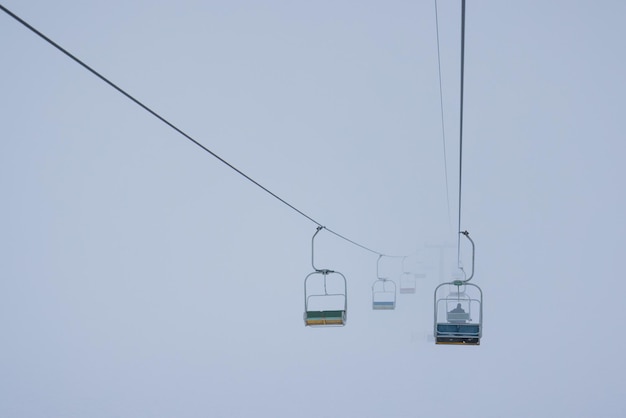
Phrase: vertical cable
(461,127)
(443,127)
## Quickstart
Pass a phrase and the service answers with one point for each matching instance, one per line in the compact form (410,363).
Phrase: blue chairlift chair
(459,313)
(383,291)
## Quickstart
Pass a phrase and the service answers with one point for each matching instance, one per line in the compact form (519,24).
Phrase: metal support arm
(473,255)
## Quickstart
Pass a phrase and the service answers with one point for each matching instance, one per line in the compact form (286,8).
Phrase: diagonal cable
(175,128)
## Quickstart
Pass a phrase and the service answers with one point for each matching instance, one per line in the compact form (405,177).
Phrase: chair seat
(321,318)
(458,340)
(383,305)
(460,334)
(462,330)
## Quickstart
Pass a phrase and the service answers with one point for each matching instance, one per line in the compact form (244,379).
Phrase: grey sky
(139,277)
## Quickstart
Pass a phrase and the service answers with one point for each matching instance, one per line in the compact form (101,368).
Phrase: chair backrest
(458,317)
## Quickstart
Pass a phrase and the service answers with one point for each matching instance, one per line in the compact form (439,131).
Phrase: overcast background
(140,277)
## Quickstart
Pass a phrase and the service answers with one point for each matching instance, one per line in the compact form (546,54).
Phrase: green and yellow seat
(324,318)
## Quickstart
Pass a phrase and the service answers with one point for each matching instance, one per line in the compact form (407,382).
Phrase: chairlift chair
(408,280)
(459,314)
(408,283)
(383,291)
(321,306)
(325,296)
(383,294)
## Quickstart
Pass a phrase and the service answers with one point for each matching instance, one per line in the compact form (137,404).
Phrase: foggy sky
(140,277)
